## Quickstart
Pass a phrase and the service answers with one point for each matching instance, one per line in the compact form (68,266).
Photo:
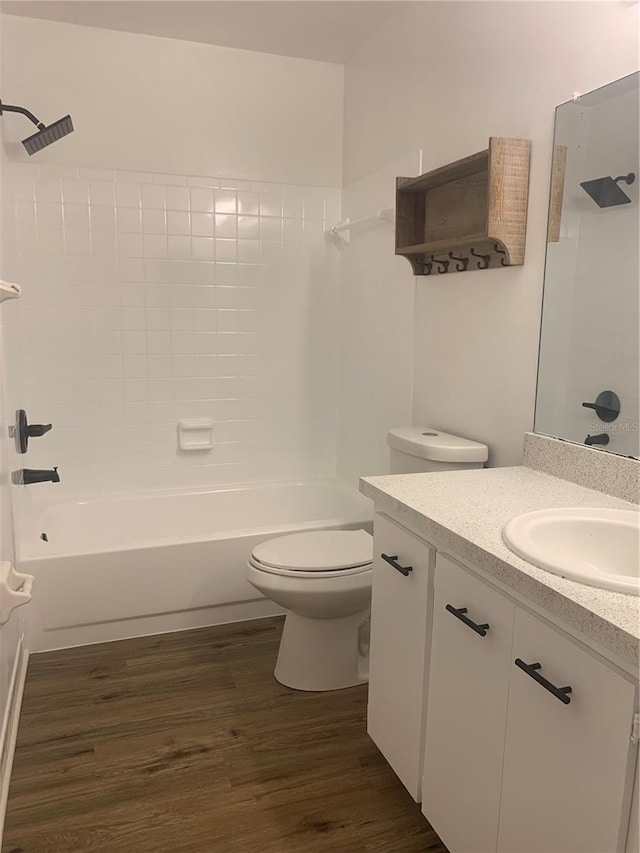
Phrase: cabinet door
(399,618)
(467,708)
(633,836)
(567,767)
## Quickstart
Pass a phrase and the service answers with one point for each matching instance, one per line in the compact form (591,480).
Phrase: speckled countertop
(463,513)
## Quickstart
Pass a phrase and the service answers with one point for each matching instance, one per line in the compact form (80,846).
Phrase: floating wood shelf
(471,214)
(558,169)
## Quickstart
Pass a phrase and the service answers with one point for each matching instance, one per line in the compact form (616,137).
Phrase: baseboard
(9,734)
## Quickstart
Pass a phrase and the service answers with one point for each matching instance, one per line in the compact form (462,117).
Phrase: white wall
(12,662)
(152,297)
(11,633)
(376,317)
(151,104)
(444,77)
(423,83)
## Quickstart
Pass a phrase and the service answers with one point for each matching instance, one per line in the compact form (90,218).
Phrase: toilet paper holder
(15,590)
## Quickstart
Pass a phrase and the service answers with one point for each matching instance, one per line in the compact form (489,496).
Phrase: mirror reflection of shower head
(46,133)
(606,192)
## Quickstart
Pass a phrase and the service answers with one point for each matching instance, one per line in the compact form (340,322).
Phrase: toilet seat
(321,553)
(300,573)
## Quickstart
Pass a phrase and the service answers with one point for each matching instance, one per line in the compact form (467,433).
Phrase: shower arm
(9,109)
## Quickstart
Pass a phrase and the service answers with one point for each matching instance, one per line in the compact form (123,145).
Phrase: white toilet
(323,578)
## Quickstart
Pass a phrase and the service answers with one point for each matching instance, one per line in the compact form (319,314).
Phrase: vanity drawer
(400,616)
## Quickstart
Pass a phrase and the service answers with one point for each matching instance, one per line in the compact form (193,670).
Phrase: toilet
(323,578)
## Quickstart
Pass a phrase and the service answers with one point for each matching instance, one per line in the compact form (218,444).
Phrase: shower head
(606,192)
(46,133)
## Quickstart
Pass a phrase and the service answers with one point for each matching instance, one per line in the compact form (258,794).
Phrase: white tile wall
(151,298)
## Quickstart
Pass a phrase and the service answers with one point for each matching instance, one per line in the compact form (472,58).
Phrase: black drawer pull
(459,613)
(404,570)
(532,670)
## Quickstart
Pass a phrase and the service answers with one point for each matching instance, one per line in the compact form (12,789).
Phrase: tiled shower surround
(148,299)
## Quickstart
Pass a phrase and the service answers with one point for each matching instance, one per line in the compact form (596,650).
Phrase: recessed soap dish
(195,434)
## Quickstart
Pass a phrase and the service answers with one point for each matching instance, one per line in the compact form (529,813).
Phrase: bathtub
(127,565)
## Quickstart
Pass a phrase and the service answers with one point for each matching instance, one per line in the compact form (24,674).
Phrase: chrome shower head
(606,192)
(46,135)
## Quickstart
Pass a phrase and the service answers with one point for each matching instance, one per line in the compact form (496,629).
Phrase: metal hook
(426,265)
(499,251)
(443,266)
(464,262)
(485,258)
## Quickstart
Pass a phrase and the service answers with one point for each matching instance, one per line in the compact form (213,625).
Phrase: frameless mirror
(588,372)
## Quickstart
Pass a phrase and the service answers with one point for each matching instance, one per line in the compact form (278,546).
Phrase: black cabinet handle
(404,570)
(459,613)
(532,671)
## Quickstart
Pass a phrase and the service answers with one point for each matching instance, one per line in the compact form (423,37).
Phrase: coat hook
(503,254)
(426,265)
(443,266)
(464,262)
(485,258)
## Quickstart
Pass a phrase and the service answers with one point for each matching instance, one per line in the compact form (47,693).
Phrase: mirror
(589,345)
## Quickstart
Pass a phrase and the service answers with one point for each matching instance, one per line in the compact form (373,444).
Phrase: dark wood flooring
(185,742)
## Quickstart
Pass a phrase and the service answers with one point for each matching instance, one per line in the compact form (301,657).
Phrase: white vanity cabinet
(400,616)
(467,709)
(515,762)
(566,767)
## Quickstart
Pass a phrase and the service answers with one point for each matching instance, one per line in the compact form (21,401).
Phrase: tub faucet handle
(36,430)
(23,431)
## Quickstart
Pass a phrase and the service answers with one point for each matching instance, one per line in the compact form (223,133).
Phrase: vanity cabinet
(467,709)
(400,616)
(565,766)
(514,761)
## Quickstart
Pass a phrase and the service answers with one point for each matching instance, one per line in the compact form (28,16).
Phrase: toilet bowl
(323,579)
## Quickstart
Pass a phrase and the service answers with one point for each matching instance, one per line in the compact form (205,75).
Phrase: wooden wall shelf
(471,214)
(558,170)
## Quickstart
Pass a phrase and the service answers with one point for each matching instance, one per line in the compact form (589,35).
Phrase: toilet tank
(416,449)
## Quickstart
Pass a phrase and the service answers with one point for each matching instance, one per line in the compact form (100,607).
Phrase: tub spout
(599,438)
(27,476)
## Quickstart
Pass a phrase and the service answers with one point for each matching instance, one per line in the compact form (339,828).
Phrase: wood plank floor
(185,742)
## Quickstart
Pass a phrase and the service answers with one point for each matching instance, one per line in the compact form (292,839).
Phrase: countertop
(463,513)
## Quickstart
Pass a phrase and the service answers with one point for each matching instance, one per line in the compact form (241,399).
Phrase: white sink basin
(599,547)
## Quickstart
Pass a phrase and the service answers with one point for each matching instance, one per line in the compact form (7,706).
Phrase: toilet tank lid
(427,443)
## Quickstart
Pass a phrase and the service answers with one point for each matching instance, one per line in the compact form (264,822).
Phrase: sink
(599,547)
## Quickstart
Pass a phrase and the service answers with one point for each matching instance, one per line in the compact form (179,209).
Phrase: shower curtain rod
(383,214)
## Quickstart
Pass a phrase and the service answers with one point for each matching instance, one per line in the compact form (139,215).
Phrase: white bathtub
(127,565)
